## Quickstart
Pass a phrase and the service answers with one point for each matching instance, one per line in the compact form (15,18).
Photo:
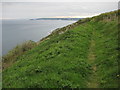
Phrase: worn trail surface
(93,79)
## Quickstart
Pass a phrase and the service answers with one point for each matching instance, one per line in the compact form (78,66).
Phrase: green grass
(62,60)
(16,52)
(107,53)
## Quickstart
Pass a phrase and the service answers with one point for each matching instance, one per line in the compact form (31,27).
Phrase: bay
(15,32)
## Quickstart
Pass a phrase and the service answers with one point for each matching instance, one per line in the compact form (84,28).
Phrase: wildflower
(118,75)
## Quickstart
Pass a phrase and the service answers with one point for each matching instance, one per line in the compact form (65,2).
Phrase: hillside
(80,55)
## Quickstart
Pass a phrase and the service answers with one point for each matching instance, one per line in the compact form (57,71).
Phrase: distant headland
(57,19)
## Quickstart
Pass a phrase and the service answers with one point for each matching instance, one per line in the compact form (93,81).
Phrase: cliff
(81,55)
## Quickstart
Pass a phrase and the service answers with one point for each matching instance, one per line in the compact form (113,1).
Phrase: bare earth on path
(93,82)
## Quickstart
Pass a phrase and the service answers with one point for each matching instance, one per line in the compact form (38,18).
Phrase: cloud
(53,9)
(59,0)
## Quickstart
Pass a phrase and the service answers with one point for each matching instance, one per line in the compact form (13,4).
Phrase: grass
(65,60)
(16,52)
(107,53)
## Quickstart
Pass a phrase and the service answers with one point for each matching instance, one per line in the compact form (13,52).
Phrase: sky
(59,0)
(20,10)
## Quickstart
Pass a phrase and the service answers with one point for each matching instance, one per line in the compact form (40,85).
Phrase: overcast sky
(59,0)
(18,10)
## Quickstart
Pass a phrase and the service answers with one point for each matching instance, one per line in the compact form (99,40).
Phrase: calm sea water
(18,31)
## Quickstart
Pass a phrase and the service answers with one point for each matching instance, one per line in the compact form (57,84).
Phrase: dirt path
(93,82)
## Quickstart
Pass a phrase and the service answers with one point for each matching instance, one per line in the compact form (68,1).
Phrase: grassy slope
(63,60)
(107,53)
(19,50)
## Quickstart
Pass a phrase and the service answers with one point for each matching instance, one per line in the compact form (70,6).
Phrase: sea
(15,32)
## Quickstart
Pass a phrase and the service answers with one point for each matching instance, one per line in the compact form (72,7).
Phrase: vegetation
(16,52)
(80,55)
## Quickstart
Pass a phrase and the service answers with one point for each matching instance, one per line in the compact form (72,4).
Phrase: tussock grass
(16,52)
